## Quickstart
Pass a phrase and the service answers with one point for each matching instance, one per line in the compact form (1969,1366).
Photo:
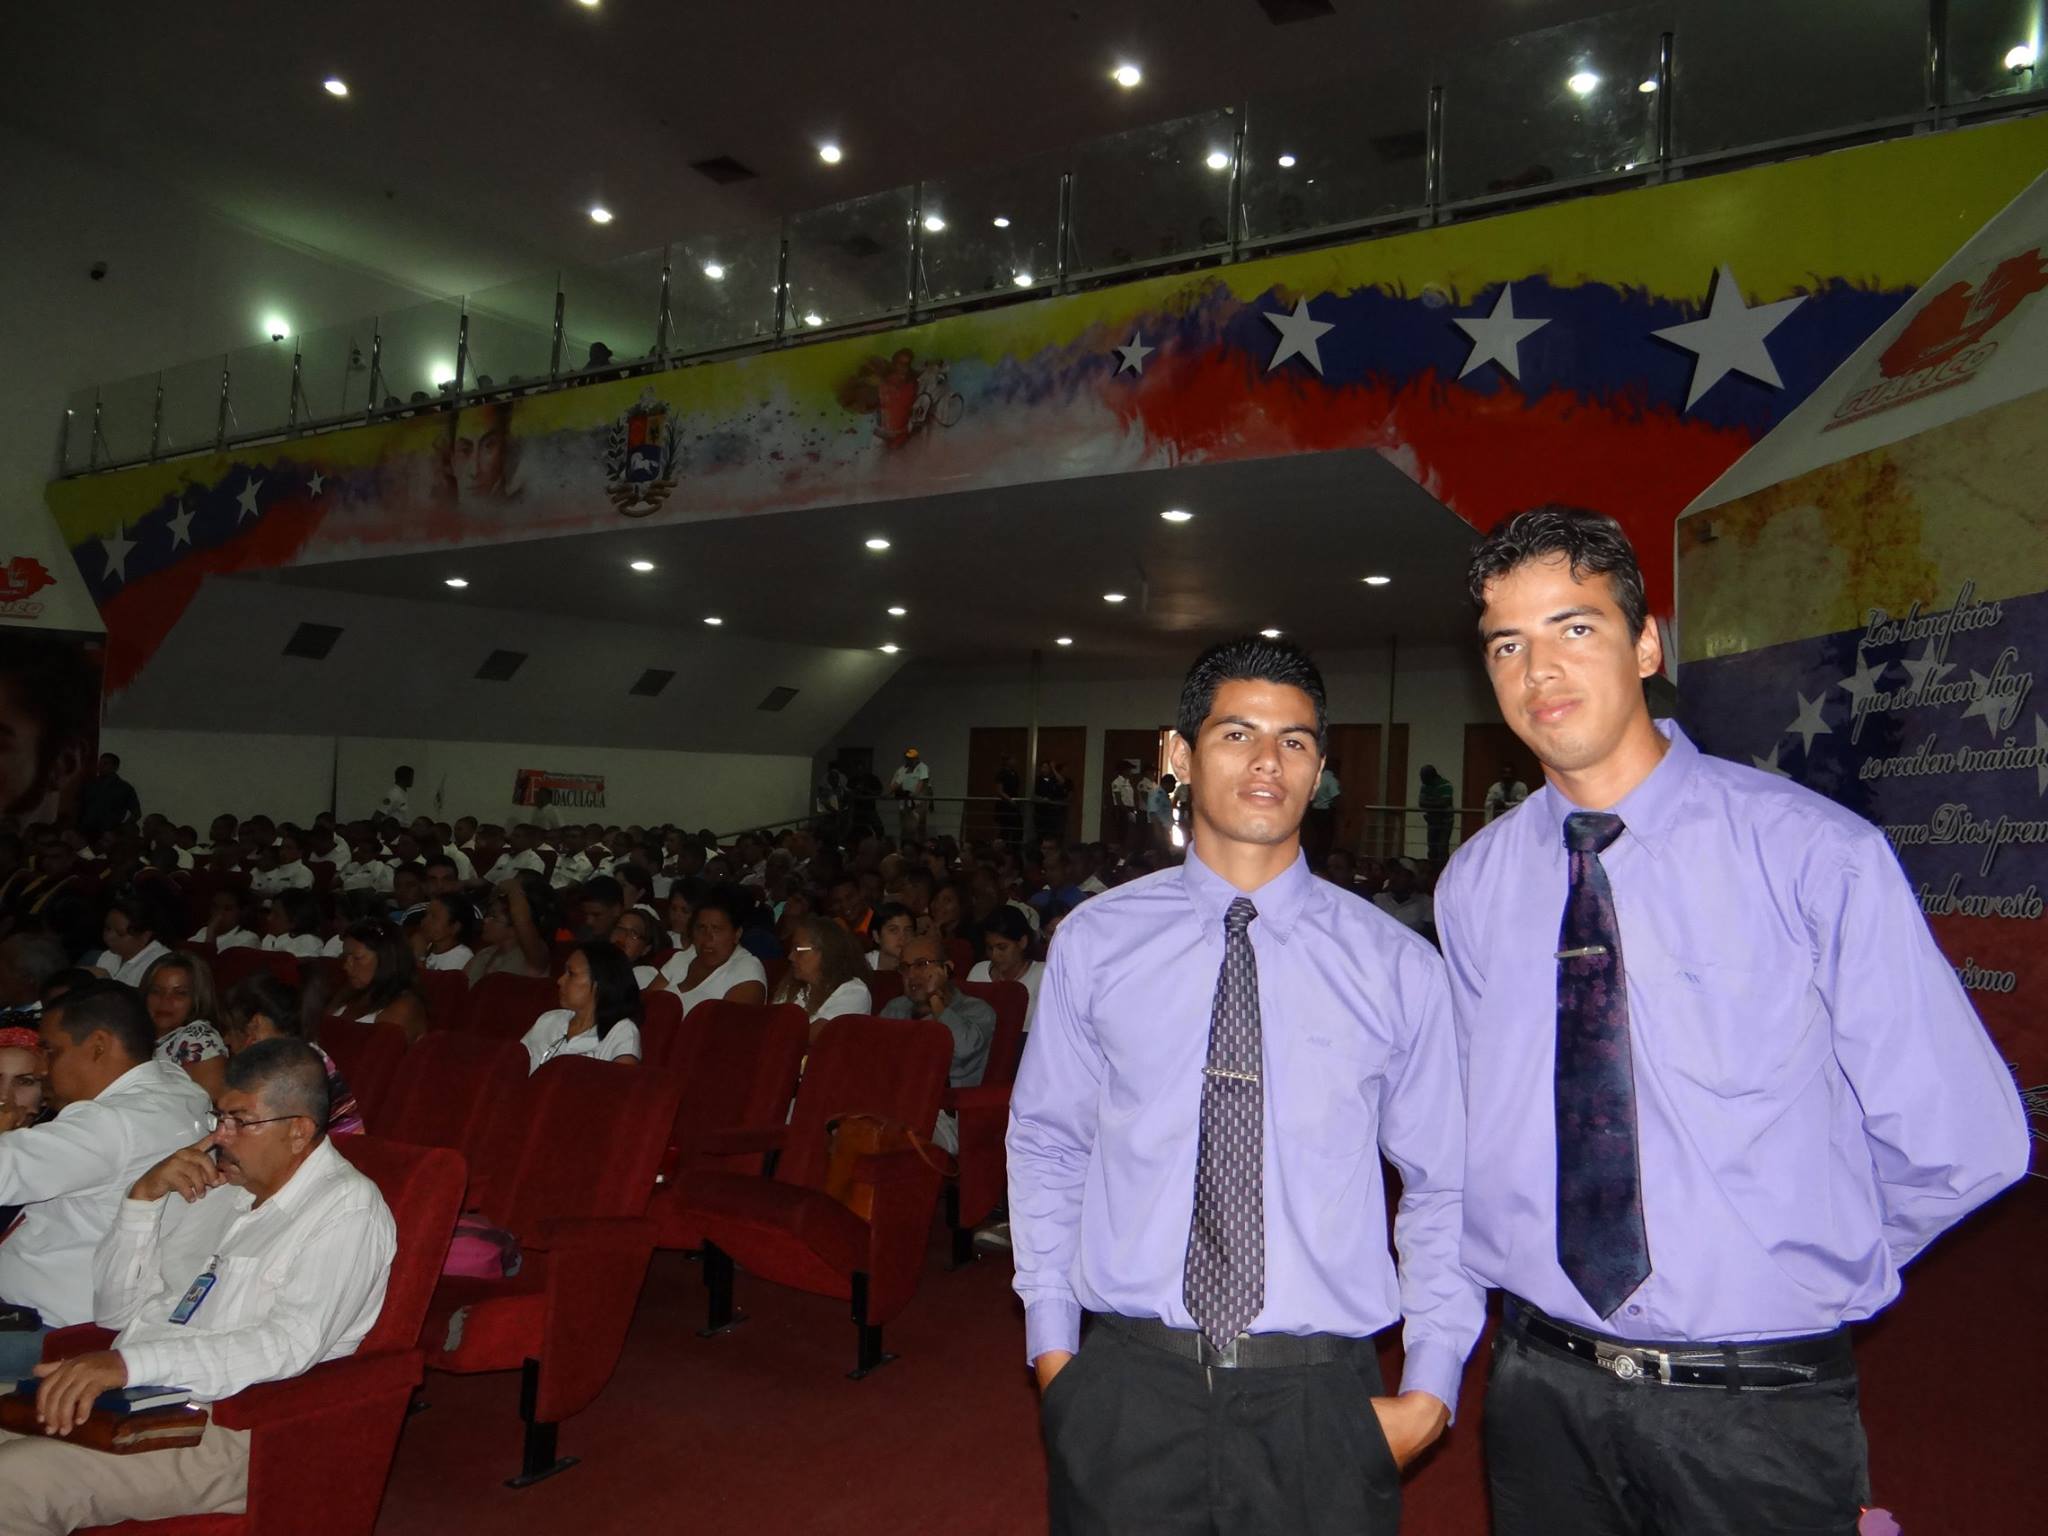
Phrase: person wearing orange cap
(911,784)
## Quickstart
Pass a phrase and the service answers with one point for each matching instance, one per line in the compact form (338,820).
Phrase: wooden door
(1119,747)
(987,745)
(1353,754)
(1488,748)
(1066,745)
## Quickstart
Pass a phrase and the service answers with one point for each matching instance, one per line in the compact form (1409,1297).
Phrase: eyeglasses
(803,949)
(235,1125)
(920,965)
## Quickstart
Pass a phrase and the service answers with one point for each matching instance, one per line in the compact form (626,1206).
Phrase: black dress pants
(1572,1449)
(1140,1442)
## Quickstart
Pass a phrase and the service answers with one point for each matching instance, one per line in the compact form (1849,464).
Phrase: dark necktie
(1224,1284)
(1601,1243)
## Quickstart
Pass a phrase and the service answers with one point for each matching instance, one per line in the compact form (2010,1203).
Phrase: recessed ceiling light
(334,85)
(1022,279)
(1648,87)
(934,223)
(455,581)
(1377,581)
(1127,75)
(713,620)
(812,317)
(276,327)
(1270,634)
(1112,597)
(878,543)
(1584,83)
(897,613)
(891,650)
(1000,222)
(441,372)
(643,565)
(599,214)
(1176,515)
(1217,160)
(1064,640)
(588,5)
(1287,162)
(714,271)
(2020,57)
(831,154)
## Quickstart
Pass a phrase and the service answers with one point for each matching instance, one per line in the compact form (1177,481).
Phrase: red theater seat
(368,1056)
(660,1025)
(885,987)
(786,1228)
(593,1134)
(447,995)
(320,1445)
(503,1007)
(444,1094)
(238,964)
(984,1115)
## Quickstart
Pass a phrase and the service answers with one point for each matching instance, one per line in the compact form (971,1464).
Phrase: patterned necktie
(1224,1283)
(1601,1243)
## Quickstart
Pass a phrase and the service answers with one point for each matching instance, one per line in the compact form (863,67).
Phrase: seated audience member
(131,936)
(682,897)
(302,1284)
(377,985)
(891,929)
(633,935)
(715,965)
(846,901)
(447,924)
(295,925)
(913,888)
(1341,870)
(444,875)
(599,908)
(488,853)
(178,992)
(1006,938)
(827,975)
(522,853)
(929,993)
(225,926)
(601,1012)
(27,962)
(119,1109)
(288,874)
(571,867)
(1405,901)
(259,1008)
(636,886)
(366,869)
(757,922)
(948,910)
(408,893)
(515,932)
(21,1078)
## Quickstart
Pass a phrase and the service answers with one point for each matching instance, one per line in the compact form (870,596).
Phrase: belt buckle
(1224,1359)
(1633,1364)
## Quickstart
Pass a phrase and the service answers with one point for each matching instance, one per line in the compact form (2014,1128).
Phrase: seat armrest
(738,1141)
(303,1400)
(79,1339)
(981,1096)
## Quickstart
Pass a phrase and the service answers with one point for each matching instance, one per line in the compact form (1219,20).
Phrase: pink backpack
(480,1251)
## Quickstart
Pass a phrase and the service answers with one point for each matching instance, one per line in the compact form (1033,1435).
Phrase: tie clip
(1236,1077)
(1582,953)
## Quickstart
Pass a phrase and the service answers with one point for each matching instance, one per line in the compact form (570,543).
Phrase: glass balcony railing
(1664,90)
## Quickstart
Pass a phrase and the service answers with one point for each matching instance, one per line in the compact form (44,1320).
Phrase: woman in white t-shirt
(827,976)
(600,1014)
(294,923)
(224,929)
(633,935)
(178,992)
(715,965)
(1006,938)
(890,928)
(442,940)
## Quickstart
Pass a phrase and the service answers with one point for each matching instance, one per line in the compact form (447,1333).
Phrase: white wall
(193,776)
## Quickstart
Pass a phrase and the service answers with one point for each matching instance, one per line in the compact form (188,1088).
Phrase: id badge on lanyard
(196,1292)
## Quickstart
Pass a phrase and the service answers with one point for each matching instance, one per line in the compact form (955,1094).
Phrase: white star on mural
(116,550)
(1133,357)
(181,525)
(1925,669)
(1810,723)
(1730,338)
(1987,704)
(247,500)
(315,483)
(1770,764)
(1497,338)
(1865,682)
(1298,334)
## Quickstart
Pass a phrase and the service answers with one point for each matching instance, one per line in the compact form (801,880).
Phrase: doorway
(1487,748)
(987,746)
(1119,747)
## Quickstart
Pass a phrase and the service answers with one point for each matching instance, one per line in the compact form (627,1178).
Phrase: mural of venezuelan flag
(1616,352)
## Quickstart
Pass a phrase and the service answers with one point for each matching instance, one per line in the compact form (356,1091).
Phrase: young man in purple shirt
(1220,1054)
(1713,1108)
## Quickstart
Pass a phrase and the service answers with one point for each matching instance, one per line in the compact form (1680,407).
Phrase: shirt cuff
(1050,1325)
(145,1365)
(1435,1368)
(139,1215)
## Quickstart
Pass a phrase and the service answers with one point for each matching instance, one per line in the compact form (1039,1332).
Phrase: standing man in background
(1220,1054)
(397,801)
(1505,793)
(911,784)
(1435,800)
(1714,1115)
(1319,830)
(108,803)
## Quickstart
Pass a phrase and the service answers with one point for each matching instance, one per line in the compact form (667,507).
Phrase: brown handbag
(121,1434)
(851,1137)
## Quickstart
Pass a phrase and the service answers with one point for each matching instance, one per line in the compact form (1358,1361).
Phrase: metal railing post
(156,420)
(291,411)
(1664,52)
(661,321)
(555,349)
(96,444)
(916,250)
(462,346)
(1233,219)
(220,425)
(1935,85)
(1064,262)
(1433,156)
(64,441)
(376,364)
(782,283)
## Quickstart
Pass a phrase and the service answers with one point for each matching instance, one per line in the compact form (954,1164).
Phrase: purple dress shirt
(1815,1097)
(1359,1057)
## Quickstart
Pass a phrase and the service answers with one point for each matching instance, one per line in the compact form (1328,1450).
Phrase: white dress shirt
(368,875)
(1417,912)
(234,938)
(465,871)
(850,996)
(299,1279)
(450,959)
(1034,973)
(307,946)
(570,869)
(286,877)
(743,967)
(550,1038)
(70,1173)
(132,971)
(396,804)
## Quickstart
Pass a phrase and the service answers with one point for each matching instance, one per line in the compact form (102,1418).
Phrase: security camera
(99,270)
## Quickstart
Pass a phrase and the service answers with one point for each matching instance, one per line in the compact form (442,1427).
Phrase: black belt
(1757,1367)
(1248,1351)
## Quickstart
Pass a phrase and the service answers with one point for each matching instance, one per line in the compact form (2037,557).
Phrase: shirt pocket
(238,1297)
(1735,1030)
(1328,1094)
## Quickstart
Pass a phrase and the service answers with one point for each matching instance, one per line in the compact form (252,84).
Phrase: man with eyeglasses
(272,1257)
(119,1109)
(929,993)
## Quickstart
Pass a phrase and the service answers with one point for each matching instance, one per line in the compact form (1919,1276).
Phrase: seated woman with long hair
(715,965)
(377,985)
(1006,939)
(601,1013)
(827,974)
(178,991)
(260,1007)
(294,924)
(447,924)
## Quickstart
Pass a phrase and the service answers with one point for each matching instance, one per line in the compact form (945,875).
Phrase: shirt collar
(306,1179)
(1647,811)
(1279,900)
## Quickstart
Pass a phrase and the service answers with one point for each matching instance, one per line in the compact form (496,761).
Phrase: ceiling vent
(1285,12)
(652,681)
(724,170)
(312,641)
(499,666)
(778,698)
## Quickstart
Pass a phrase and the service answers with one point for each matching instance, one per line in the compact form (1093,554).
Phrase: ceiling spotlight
(1287,162)
(713,620)
(1176,515)
(588,5)
(1377,581)
(1112,597)
(2020,58)
(1022,279)
(440,373)
(878,543)
(891,650)
(1584,83)
(1218,160)
(599,214)
(830,154)
(1270,634)
(1648,87)
(276,327)
(334,85)
(714,271)
(1001,222)
(898,612)
(1127,75)
(812,317)
(643,565)
(455,581)
(1064,640)
(933,223)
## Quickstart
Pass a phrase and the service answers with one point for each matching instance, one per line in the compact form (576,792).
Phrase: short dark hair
(288,1075)
(142,908)
(605,889)
(616,995)
(265,994)
(1007,922)
(1248,659)
(1592,542)
(100,1004)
